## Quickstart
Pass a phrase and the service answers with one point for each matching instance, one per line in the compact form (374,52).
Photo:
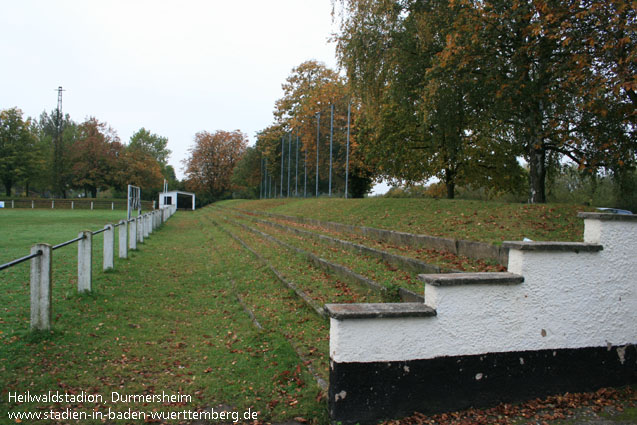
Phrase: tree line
(462,89)
(54,156)
(502,96)
(313,144)
(292,156)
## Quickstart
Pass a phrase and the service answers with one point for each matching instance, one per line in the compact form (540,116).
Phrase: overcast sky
(173,67)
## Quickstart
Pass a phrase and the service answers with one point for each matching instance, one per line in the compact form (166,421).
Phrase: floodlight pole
(282,162)
(289,160)
(331,136)
(296,170)
(318,132)
(265,179)
(349,109)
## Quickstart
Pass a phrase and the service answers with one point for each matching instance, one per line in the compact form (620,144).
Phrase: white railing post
(85,261)
(140,229)
(132,234)
(31,203)
(12,204)
(149,224)
(91,205)
(52,204)
(123,227)
(109,246)
(146,227)
(112,206)
(72,205)
(41,279)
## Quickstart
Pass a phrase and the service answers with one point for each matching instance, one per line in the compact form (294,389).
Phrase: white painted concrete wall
(568,300)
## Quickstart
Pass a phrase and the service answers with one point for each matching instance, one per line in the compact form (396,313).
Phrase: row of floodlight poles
(41,256)
(265,189)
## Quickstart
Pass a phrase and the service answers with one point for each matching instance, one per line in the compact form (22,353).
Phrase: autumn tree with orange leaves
(212,160)
(94,157)
(305,111)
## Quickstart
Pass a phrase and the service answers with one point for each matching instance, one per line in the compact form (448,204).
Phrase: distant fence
(72,204)
(133,231)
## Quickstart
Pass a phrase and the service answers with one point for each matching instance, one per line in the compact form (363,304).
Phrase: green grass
(166,319)
(445,260)
(460,219)
(372,268)
(316,283)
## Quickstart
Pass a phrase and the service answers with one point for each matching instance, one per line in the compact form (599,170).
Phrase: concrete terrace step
(553,246)
(453,279)
(378,310)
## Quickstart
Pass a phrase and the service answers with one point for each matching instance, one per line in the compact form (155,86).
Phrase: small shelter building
(182,200)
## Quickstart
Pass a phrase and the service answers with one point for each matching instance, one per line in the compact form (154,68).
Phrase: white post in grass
(41,280)
(123,227)
(140,229)
(91,205)
(109,246)
(146,226)
(85,261)
(72,205)
(52,204)
(132,234)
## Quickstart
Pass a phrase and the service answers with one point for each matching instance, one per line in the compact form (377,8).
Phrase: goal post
(134,200)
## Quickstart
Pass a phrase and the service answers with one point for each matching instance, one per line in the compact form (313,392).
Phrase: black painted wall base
(368,392)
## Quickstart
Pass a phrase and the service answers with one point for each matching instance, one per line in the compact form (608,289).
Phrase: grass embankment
(445,260)
(166,320)
(321,287)
(459,219)
(372,268)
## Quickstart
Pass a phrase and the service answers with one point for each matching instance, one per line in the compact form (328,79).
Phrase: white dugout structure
(172,198)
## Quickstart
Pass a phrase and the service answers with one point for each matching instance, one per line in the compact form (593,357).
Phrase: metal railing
(136,229)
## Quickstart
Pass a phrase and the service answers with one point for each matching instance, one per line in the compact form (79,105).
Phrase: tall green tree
(420,120)
(151,143)
(18,148)
(246,176)
(155,146)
